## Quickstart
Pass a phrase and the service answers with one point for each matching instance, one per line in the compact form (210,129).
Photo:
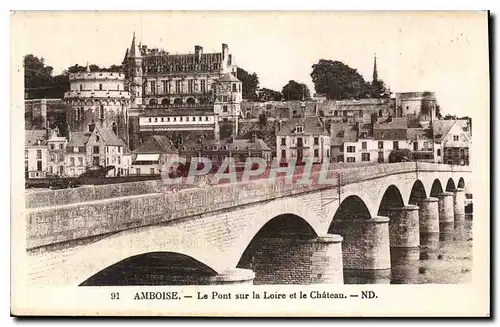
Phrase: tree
(338,81)
(250,83)
(269,95)
(400,155)
(39,82)
(295,91)
(378,89)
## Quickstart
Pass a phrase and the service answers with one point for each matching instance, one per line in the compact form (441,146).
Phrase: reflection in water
(451,263)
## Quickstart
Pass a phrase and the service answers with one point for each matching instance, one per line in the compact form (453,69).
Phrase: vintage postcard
(267,163)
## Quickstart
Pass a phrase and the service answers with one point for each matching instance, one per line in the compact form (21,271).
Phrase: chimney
(229,59)
(198,51)
(254,137)
(225,51)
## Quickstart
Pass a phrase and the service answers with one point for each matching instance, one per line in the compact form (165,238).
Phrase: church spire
(375,73)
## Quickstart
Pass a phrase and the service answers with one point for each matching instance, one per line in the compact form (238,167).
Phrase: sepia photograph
(241,162)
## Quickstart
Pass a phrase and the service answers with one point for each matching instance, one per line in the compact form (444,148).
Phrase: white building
(300,138)
(149,158)
(35,154)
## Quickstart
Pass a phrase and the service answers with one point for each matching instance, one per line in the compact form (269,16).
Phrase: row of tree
(333,79)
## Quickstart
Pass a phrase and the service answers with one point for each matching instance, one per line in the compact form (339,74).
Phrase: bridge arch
(275,253)
(153,268)
(450,185)
(391,198)
(352,207)
(436,188)
(417,193)
(132,246)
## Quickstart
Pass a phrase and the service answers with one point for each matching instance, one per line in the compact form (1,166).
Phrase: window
(76,149)
(153,87)
(206,118)
(52,146)
(283,141)
(97,138)
(25,154)
(149,119)
(80,161)
(345,113)
(361,113)
(119,160)
(100,87)
(224,108)
(380,144)
(164,87)
(81,87)
(462,153)
(351,149)
(351,159)
(365,156)
(239,87)
(455,138)
(316,141)
(39,154)
(61,146)
(335,113)
(101,112)
(61,157)
(39,165)
(107,161)
(177,86)
(152,171)
(137,171)
(203,86)
(190,86)
(395,145)
(283,154)
(298,129)
(363,145)
(95,150)
(234,87)
(328,152)
(380,156)
(438,152)
(316,152)
(71,161)
(450,162)
(52,157)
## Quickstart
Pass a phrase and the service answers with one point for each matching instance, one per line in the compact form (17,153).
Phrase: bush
(400,155)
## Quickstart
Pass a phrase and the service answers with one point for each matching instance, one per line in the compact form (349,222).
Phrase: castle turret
(134,61)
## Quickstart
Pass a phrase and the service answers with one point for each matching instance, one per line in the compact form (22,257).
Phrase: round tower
(135,73)
(98,98)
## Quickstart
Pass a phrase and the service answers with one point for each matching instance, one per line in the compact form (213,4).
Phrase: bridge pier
(446,216)
(459,214)
(404,234)
(288,260)
(235,276)
(366,243)
(429,227)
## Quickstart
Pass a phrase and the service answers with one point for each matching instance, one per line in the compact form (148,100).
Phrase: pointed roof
(156,144)
(134,52)
(229,78)
(375,73)
(109,137)
(35,137)
(311,125)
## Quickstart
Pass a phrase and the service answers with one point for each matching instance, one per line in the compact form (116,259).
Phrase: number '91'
(115,296)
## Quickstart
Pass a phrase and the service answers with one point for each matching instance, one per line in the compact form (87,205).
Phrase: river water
(453,265)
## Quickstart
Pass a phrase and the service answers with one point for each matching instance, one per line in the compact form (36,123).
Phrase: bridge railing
(345,174)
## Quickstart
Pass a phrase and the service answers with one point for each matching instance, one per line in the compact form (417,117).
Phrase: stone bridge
(273,231)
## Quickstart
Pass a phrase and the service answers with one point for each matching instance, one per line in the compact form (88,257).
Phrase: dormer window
(299,129)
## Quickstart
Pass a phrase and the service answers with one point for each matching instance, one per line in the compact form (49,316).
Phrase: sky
(444,52)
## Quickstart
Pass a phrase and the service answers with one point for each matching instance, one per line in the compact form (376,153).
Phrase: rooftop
(311,125)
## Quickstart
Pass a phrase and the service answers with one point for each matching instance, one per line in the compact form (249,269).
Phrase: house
(303,137)
(76,153)
(56,153)
(455,139)
(104,148)
(35,153)
(150,156)
(218,150)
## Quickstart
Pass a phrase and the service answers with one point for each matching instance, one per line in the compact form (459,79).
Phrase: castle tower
(98,99)
(135,73)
